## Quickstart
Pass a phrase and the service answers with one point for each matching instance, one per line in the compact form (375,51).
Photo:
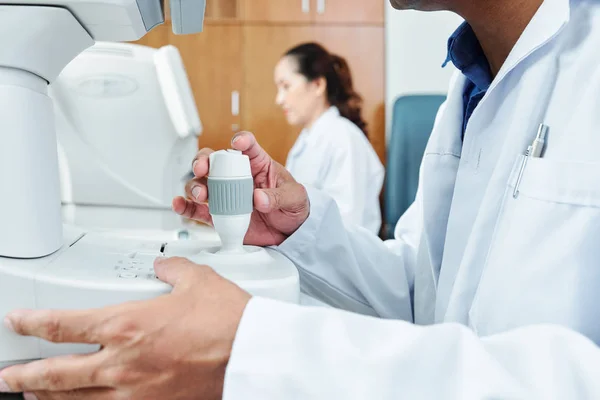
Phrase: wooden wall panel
(213,62)
(264,45)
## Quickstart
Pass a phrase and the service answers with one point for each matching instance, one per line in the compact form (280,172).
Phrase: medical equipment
(127,128)
(230,185)
(260,271)
(43,265)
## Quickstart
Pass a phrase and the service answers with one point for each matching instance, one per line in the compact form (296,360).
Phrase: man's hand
(176,346)
(280,203)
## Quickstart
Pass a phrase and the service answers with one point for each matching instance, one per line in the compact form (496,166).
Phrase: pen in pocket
(533,151)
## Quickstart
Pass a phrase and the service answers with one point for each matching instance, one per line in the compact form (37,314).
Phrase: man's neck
(498,25)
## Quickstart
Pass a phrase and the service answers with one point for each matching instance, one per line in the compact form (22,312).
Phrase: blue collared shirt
(466,53)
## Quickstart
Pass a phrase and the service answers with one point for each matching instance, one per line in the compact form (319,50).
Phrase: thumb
(290,197)
(247,144)
(174,270)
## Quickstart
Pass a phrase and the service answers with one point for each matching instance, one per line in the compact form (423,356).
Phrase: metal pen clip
(521,171)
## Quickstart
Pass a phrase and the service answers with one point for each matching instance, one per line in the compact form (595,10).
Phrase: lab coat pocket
(543,265)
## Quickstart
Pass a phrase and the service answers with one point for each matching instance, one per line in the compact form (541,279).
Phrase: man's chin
(421,5)
(402,4)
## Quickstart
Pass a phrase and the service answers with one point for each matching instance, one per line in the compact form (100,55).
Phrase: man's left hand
(175,346)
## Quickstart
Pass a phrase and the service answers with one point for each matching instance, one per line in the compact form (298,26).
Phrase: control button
(234,151)
(127,275)
(151,276)
(131,268)
(183,234)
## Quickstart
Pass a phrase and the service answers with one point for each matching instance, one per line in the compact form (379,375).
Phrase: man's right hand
(280,203)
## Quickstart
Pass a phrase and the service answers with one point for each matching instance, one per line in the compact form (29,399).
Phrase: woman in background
(333,153)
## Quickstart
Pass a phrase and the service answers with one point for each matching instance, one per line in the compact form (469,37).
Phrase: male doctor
(500,254)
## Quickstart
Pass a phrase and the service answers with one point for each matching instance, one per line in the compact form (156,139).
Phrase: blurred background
(230,65)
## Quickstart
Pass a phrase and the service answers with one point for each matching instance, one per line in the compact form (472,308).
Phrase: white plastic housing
(30,213)
(95,270)
(230,165)
(231,230)
(44,51)
(177,92)
(112,20)
(127,129)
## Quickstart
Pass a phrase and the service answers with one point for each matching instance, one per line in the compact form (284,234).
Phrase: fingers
(200,163)
(176,270)
(260,163)
(247,144)
(263,201)
(290,197)
(195,209)
(57,374)
(58,326)
(197,190)
(191,210)
(281,191)
(87,394)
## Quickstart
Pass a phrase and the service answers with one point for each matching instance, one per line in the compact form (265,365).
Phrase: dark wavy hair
(315,62)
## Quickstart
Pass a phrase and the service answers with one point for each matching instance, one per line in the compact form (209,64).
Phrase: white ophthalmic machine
(45,265)
(127,127)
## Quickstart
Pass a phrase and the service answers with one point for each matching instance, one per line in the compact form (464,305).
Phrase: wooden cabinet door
(216,11)
(349,11)
(275,10)
(363,48)
(263,47)
(213,63)
(222,10)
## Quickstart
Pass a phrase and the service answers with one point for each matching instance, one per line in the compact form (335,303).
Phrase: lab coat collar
(549,20)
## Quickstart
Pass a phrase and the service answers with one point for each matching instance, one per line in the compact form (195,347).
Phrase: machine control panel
(117,260)
(137,265)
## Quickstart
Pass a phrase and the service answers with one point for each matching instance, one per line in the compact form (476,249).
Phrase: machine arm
(38,38)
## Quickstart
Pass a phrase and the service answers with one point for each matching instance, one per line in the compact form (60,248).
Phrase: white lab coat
(510,284)
(336,157)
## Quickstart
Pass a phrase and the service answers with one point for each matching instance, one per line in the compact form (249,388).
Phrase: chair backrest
(412,122)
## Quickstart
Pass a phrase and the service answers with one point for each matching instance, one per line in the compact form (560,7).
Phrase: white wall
(416,47)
